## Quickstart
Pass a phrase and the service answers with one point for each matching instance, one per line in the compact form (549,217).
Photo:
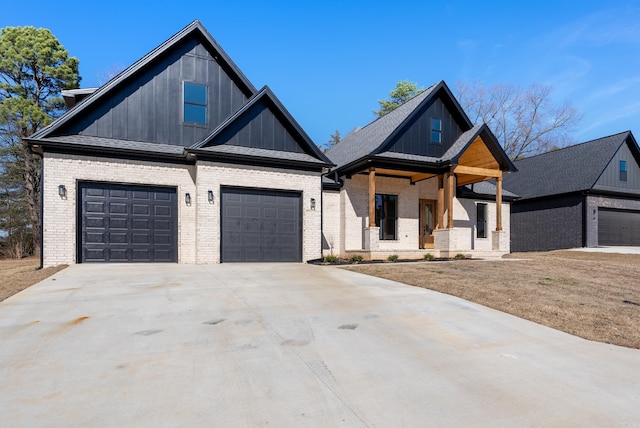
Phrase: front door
(427,222)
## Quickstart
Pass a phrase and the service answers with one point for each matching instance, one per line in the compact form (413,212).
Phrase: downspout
(41,210)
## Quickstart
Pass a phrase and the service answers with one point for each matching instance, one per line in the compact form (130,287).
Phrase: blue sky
(330,61)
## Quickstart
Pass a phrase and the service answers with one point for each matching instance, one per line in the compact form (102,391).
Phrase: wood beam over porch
(372,197)
(483,172)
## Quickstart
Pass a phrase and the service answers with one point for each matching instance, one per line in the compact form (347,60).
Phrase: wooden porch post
(451,191)
(499,203)
(440,224)
(372,197)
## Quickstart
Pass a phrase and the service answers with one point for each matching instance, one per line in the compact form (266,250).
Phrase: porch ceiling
(477,164)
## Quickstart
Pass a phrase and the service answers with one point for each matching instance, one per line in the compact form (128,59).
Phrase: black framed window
(481,220)
(436,130)
(387,216)
(195,103)
(623,170)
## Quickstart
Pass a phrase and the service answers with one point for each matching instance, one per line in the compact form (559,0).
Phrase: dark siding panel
(149,107)
(259,128)
(610,178)
(547,225)
(416,138)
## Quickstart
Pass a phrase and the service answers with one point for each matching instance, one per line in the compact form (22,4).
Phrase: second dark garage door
(618,227)
(261,226)
(126,223)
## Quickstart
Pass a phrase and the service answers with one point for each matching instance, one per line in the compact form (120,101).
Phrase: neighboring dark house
(179,158)
(585,195)
(415,181)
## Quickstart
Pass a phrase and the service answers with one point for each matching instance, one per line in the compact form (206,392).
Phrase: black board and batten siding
(259,127)
(610,178)
(412,140)
(149,106)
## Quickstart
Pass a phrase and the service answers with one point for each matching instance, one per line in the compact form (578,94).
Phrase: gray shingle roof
(257,153)
(488,188)
(90,142)
(365,141)
(571,169)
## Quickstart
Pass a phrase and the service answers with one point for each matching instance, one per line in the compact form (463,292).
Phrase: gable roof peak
(195,27)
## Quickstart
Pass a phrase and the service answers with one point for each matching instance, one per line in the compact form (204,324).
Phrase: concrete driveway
(290,345)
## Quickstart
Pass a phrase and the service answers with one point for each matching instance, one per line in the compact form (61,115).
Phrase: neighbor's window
(387,216)
(436,130)
(481,220)
(195,103)
(623,170)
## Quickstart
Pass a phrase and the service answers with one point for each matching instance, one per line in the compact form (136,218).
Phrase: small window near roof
(195,103)
(623,170)
(436,131)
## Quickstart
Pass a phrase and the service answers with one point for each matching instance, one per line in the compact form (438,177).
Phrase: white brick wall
(332,221)
(198,224)
(212,176)
(59,220)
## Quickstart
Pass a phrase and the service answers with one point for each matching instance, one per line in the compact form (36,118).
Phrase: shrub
(429,256)
(330,258)
(460,256)
(356,258)
(392,258)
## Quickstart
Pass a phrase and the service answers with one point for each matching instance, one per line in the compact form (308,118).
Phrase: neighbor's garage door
(121,223)
(618,227)
(261,226)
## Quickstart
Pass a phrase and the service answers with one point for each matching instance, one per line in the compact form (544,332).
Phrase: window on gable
(481,220)
(436,130)
(387,216)
(195,103)
(623,170)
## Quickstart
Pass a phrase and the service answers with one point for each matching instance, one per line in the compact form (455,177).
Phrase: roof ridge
(392,111)
(572,145)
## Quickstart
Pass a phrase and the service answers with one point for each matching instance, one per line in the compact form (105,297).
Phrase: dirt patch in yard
(18,274)
(592,295)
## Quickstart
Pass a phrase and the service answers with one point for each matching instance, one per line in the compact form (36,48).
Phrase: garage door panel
(129,230)
(95,207)
(261,226)
(139,209)
(118,208)
(95,237)
(618,227)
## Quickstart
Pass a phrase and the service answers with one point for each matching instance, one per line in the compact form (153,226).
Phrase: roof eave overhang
(258,160)
(43,145)
(368,162)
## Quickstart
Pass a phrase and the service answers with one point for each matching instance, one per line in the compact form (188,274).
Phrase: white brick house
(179,159)
(421,179)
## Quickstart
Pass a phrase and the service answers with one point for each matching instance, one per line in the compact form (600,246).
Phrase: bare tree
(105,75)
(525,120)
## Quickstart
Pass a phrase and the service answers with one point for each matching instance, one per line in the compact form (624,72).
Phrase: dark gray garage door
(618,227)
(121,223)
(261,226)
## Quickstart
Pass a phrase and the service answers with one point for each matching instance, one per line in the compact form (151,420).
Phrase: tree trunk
(31,185)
